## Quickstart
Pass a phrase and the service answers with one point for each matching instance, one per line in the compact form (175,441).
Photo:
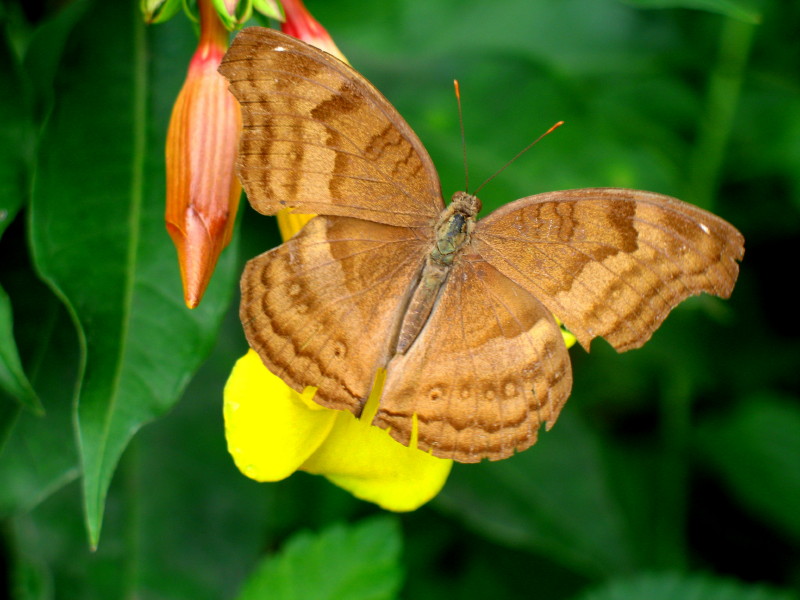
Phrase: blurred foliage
(674,471)
(667,586)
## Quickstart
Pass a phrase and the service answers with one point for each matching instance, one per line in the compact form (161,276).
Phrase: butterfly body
(458,311)
(453,230)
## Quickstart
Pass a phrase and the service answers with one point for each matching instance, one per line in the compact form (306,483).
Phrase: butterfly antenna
(520,153)
(463,137)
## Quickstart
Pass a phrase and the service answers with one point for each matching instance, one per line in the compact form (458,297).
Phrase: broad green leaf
(98,234)
(554,498)
(743,10)
(357,562)
(673,586)
(756,450)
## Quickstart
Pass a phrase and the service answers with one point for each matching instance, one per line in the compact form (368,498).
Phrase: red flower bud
(300,24)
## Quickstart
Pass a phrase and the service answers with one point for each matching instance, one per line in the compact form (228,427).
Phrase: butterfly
(457,311)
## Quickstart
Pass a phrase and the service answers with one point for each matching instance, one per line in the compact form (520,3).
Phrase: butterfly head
(466,204)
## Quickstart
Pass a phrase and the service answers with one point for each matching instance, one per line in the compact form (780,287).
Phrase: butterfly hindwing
(487,370)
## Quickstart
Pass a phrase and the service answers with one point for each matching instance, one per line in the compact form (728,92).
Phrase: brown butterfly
(458,311)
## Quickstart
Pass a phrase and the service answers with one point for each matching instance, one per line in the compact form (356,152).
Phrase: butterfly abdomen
(421,303)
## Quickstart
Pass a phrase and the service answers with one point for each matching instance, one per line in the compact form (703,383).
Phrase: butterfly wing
(319,138)
(486,370)
(611,262)
(320,308)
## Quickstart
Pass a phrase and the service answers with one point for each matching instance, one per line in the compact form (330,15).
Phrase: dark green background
(674,471)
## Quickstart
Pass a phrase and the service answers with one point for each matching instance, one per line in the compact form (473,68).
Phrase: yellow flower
(272,431)
(202,189)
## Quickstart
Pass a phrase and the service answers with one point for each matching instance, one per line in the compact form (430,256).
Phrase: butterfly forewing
(611,262)
(488,369)
(319,138)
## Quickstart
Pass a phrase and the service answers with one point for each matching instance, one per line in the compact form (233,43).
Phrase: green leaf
(670,586)
(358,562)
(160,11)
(756,450)
(16,134)
(549,499)
(30,469)
(12,377)
(44,51)
(9,413)
(227,18)
(16,137)
(743,10)
(99,239)
(270,8)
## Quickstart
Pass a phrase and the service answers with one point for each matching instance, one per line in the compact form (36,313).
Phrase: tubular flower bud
(202,140)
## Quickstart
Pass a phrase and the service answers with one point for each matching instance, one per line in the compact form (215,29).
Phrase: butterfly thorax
(453,231)
(455,226)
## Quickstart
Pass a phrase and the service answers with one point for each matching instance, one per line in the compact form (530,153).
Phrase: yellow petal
(271,429)
(290,223)
(367,462)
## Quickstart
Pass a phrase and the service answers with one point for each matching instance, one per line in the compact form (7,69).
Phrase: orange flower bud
(202,140)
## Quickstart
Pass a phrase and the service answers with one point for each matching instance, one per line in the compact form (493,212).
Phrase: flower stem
(722,98)
(212,31)
(132,518)
(672,480)
(724,88)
